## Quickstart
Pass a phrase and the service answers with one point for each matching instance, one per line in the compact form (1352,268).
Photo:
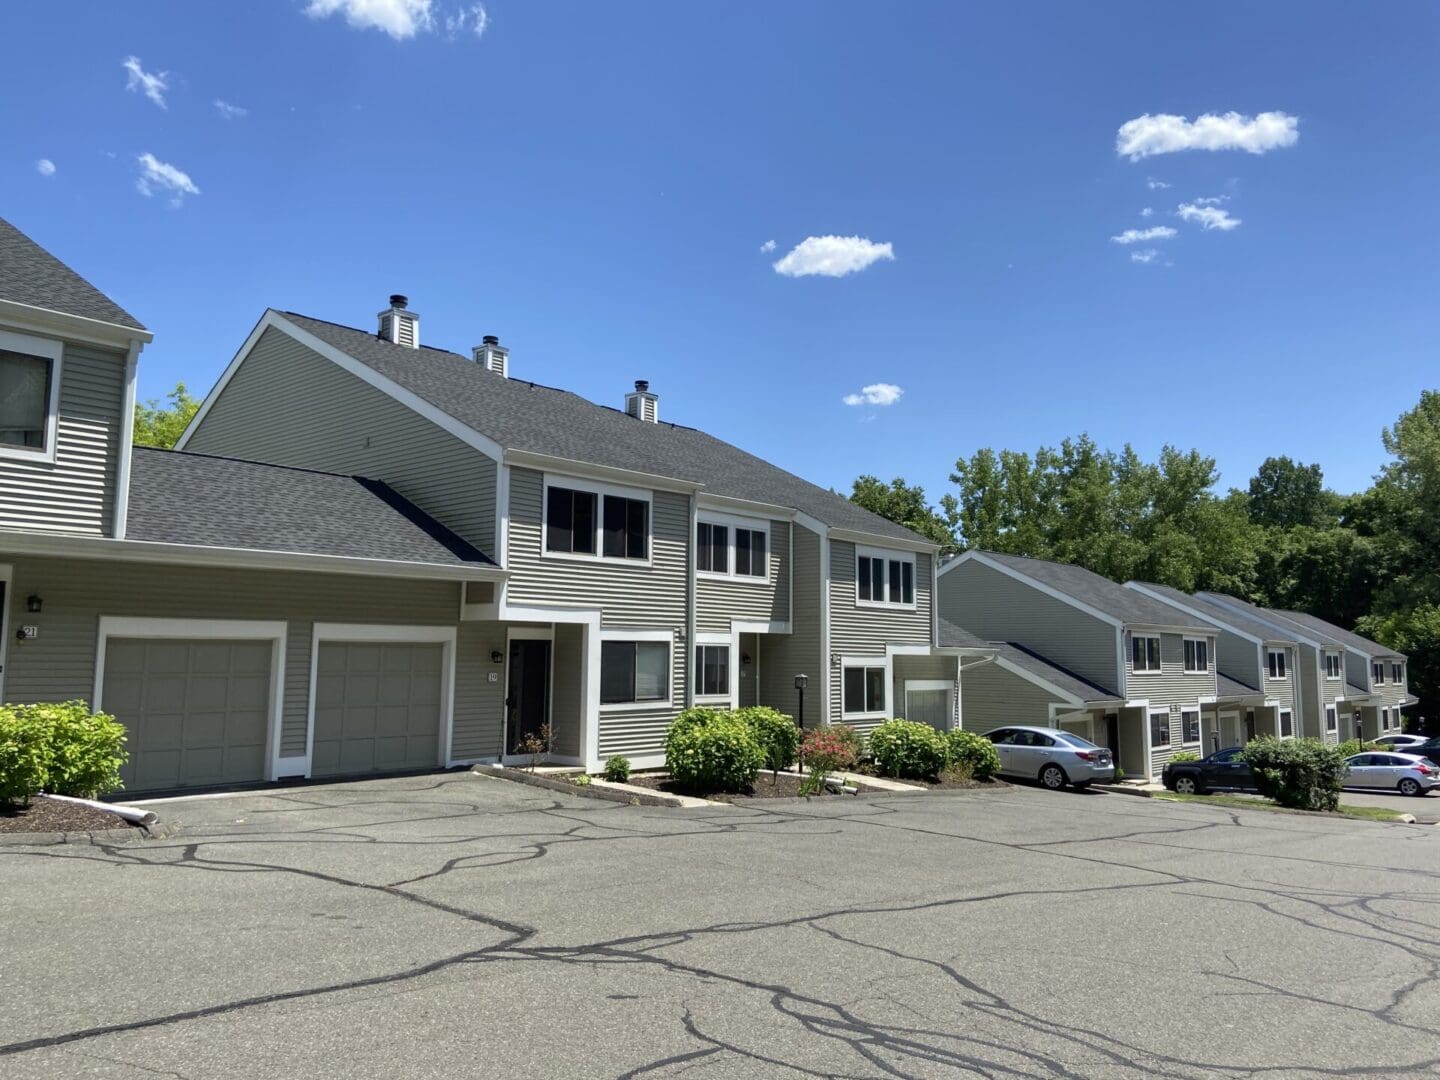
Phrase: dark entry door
(1112,735)
(527,709)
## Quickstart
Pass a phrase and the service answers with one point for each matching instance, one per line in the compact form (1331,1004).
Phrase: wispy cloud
(1204,213)
(1149,211)
(230,112)
(403,19)
(832,256)
(880,393)
(152,84)
(45,167)
(1147,255)
(767,247)
(159,177)
(1140,236)
(473,19)
(1155,185)
(1164,133)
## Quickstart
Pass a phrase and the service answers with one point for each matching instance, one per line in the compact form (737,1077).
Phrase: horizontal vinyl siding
(930,668)
(999,607)
(719,602)
(76,494)
(749,679)
(568,693)
(288,405)
(479,704)
(1298,665)
(865,631)
(800,652)
(60,663)
(1170,686)
(993,697)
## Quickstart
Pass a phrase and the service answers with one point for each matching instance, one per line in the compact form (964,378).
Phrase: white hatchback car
(1409,774)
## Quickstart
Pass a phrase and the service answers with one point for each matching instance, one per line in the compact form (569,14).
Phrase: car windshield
(1225,755)
(1076,740)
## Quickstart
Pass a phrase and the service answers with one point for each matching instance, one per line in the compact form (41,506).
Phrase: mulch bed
(48,815)
(767,786)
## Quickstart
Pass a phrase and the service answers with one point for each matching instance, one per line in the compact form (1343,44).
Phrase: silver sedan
(1052,756)
(1409,774)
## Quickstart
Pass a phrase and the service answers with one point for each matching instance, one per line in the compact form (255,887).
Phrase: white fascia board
(725,504)
(121,513)
(1211,622)
(147,551)
(587,470)
(1038,586)
(892,543)
(72,327)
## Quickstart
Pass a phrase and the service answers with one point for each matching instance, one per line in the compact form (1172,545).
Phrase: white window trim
(1394,666)
(923,685)
(1377,681)
(729,642)
(525,633)
(1169,742)
(1284,654)
(668,637)
(45,349)
(1199,727)
(1198,640)
(1159,654)
(887,554)
(7,579)
(1332,712)
(1280,714)
(600,490)
(881,662)
(732,522)
(1339,664)
(276,632)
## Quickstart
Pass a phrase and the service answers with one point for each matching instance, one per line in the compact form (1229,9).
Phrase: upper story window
(29,392)
(1275,663)
(1144,653)
(1197,656)
(1397,673)
(609,524)
(734,549)
(883,577)
(1333,669)
(1377,672)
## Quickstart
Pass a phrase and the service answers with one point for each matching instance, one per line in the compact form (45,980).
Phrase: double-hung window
(29,386)
(734,549)
(1377,673)
(712,670)
(1144,653)
(712,548)
(1384,719)
(579,521)
(750,547)
(1397,673)
(1332,665)
(1275,663)
(1197,656)
(864,691)
(634,671)
(1190,725)
(882,578)
(1160,729)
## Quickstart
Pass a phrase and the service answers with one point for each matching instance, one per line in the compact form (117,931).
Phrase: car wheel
(1053,777)
(1186,785)
(1410,787)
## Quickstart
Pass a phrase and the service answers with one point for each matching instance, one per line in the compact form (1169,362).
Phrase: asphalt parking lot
(462,926)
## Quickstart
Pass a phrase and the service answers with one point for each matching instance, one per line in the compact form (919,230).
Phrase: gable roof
(1348,638)
(1100,593)
(30,275)
(1057,676)
(1221,615)
(1225,686)
(542,420)
(203,501)
(953,636)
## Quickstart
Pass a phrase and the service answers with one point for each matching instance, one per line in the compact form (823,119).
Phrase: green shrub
(64,749)
(826,750)
(713,750)
(1185,755)
(581,780)
(24,756)
(1303,774)
(907,748)
(777,734)
(966,750)
(853,740)
(1351,747)
(617,770)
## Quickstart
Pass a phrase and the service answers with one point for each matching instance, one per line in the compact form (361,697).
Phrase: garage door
(377,707)
(195,712)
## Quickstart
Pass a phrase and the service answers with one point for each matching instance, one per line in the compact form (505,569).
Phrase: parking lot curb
(1123,789)
(625,795)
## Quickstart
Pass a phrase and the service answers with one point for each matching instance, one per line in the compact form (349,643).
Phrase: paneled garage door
(378,707)
(195,712)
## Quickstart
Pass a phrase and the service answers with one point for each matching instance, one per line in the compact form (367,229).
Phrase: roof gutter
(527,459)
(74,327)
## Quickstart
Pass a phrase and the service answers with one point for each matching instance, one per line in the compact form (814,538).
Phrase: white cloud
(152,84)
(767,247)
(832,256)
(1148,255)
(1136,236)
(1212,200)
(880,393)
(474,18)
(1165,133)
(1201,212)
(1149,211)
(403,19)
(45,167)
(230,112)
(159,177)
(1155,185)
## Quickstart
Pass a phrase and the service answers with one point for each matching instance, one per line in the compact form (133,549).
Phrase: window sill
(848,717)
(603,560)
(636,706)
(1148,671)
(33,457)
(739,579)
(881,605)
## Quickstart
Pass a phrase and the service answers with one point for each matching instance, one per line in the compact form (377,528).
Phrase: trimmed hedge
(1184,755)
(713,750)
(777,734)
(907,748)
(64,749)
(973,752)
(1303,774)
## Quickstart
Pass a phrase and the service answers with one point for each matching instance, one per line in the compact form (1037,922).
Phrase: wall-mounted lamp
(33,604)
(496,656)
(834,659)
(744,659)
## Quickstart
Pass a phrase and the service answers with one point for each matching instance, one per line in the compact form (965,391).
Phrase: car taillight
(1084,755)
(1424,769)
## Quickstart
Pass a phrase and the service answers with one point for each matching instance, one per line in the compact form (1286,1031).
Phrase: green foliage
(617,770)
(713,750)
(1287,494)
(161,425)
(826,750)
(582,780)
(1351,747)
(965,749)
(1185,755)
(906,505)
(907,748)
(1303,774)
(777,734)
(60,748)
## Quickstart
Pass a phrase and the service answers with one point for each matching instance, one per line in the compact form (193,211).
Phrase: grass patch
(1367,813)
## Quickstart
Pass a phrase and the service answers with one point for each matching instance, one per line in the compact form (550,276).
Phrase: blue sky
(594,183)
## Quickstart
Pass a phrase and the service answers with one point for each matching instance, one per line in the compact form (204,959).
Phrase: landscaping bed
(48,815)
(767,786)
(1255,802)
(951,781)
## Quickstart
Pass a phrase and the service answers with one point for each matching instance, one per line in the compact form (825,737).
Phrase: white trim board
(53,351)
(7,598)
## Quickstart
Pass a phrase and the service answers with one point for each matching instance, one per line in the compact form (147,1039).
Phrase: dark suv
(1222,769)
(1430,749)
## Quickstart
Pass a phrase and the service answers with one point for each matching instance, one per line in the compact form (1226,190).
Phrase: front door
(1112,735)
(527,709)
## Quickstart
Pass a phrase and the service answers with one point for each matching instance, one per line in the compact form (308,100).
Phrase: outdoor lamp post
(800,681)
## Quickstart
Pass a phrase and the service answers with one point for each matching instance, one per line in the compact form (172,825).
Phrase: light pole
(800,681)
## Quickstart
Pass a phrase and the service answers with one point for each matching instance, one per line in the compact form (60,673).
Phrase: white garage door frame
(123,626)
(922,685)
(383,633)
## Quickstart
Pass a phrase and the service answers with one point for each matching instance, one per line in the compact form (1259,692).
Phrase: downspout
(690,567)
(127,436)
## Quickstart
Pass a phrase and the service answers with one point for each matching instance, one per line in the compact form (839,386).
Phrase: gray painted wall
(998,607)
(288,405)
(783,656)
(718,601)
(994,697)
(1171,686)
(77,493)
(937,668)
(865,631)
(569,693)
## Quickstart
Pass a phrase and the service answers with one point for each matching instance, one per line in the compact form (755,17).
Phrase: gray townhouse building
(367,554)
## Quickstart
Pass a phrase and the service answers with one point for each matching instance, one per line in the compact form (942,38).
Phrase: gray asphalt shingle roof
(957,637)
(1265,617)
(525,416)
(1353,691)
(1098,592)
(203,501)
(1225,686)
(1056,676)
(1345,637)
(1207,607)
(31,275)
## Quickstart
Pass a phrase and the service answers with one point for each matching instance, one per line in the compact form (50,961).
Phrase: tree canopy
(157,424)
